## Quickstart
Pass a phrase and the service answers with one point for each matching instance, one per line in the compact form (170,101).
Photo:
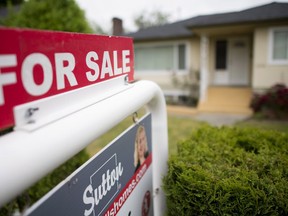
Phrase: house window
(279,45)
(221,55)
(160,57)
(181,57)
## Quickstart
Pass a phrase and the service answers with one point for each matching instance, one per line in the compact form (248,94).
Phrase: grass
(106,138)
(265,124)
(174,134)
(179,129)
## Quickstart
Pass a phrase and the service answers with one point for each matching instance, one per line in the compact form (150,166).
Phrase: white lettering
(98,196)
(117,71)
(27,75)
(119,169)
(7,78)
(113,177)
(92,65)
(63,70)
(109,179)
(88,200)
(106,65)
(104,181)
(126,61)
(37,82)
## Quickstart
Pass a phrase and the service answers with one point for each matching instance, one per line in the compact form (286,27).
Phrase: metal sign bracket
(31,116)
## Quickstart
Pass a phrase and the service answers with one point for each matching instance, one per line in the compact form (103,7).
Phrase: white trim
(270,46)
(204,59)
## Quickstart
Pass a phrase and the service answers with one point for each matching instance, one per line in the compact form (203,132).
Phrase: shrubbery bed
(229,171)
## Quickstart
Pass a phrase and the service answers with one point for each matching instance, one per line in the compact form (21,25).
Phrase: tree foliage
(4,3)
(154,18)
(64,15)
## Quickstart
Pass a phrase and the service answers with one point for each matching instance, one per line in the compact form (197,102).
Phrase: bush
(64,15)
(229,171)
(273,103)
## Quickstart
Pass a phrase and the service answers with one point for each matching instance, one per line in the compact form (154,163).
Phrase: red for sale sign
(38,64)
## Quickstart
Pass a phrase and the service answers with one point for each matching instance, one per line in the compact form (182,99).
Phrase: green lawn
(265,124)
(106,138)
(175,135)
(179,128)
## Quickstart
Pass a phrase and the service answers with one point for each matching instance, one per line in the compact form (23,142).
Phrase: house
(221,59)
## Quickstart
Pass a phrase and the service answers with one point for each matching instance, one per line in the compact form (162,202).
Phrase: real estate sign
(39,64)
(118,180)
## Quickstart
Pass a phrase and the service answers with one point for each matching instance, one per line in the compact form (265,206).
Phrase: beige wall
(165,78)
(195,54)
(264,73)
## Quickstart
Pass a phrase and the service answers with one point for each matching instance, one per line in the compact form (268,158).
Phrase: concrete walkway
(212,118)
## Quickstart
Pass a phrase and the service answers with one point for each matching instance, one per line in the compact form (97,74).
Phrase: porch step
(227,99)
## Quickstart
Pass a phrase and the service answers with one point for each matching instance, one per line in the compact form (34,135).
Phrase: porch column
(204,53)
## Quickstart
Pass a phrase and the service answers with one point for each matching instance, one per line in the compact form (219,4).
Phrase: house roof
(173,30)
(268,12)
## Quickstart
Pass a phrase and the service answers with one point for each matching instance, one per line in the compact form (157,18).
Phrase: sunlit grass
(179,128)
(265,124)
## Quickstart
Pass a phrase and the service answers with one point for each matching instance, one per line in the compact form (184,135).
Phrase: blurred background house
(217,60)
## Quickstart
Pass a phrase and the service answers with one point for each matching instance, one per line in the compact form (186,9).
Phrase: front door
(232,62)
(239,61)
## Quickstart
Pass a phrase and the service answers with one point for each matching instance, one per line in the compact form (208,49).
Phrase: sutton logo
(103,186)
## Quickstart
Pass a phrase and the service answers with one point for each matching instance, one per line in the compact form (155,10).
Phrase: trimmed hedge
(229,171)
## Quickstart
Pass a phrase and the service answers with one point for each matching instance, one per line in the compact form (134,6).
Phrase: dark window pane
(181,56)
(221,54)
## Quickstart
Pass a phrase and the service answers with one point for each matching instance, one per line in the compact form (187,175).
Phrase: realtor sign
(56,83)
(116,181)
(40,64)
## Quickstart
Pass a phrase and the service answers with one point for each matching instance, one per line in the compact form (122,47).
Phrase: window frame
(175,45)
(271,60)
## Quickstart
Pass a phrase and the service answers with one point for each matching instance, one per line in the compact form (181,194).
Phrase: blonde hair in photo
(136,157)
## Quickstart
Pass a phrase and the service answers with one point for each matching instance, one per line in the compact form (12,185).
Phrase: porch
(226,70)
(227,100)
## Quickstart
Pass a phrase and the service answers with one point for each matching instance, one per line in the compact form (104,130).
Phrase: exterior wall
(266,74)
(195,54)
(166,79)
(211,63)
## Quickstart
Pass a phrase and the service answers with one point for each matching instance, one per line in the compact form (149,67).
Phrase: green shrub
(64,15)
(229,171)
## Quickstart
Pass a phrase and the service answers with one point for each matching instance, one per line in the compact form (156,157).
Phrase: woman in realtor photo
(141,148)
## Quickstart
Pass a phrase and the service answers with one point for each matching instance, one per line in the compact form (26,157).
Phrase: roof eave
(162,38)
(238,23)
